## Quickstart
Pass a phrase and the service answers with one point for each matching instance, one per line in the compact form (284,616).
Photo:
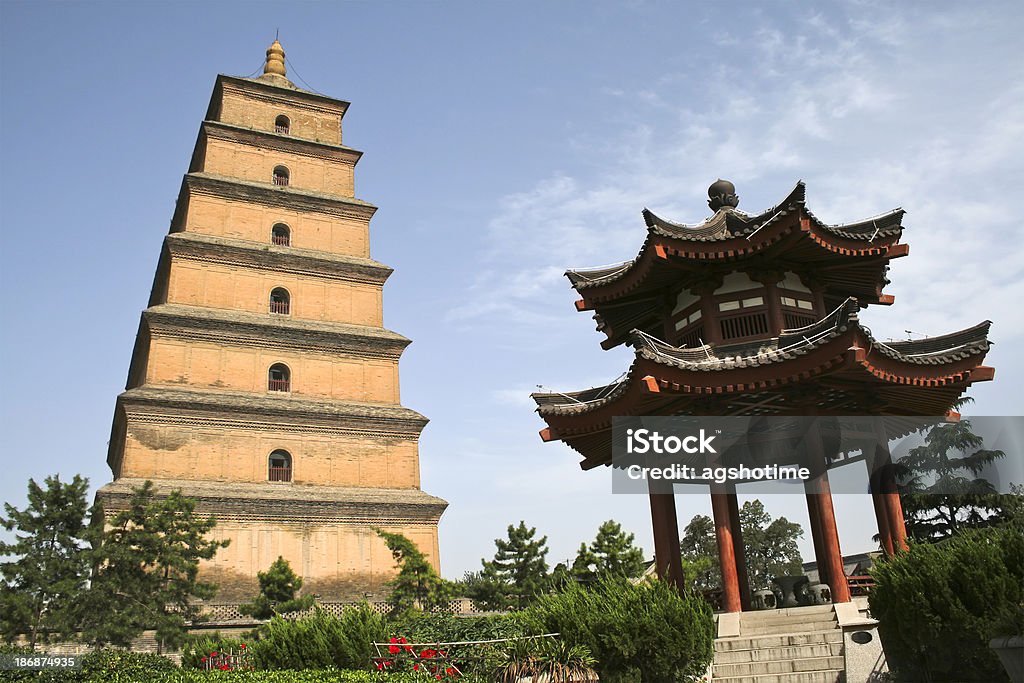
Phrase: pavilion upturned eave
(850,259)
(841,371)
(663,259)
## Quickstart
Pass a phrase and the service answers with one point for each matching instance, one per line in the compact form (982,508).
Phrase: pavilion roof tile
(729,223)
(789,345)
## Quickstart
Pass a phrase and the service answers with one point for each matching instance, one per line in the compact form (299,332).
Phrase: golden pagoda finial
(275,59)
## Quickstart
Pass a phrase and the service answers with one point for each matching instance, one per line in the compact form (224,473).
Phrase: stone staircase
(796,645)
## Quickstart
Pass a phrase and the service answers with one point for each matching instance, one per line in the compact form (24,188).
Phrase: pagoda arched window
(282,125)
(280,301)
(281,176)
(281,235)
(279,466)
(279,378)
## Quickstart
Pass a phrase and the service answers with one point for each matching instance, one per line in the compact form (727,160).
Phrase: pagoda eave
(847,372)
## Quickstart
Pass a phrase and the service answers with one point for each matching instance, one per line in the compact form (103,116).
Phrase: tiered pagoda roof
(832,366)
(847,259)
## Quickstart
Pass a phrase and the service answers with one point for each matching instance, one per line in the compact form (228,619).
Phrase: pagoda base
(327,534)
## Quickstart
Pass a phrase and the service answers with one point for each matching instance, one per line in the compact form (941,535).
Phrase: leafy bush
(433,628)
(647,632)
(102,666)
(940,604)
(319,641)
(426,627)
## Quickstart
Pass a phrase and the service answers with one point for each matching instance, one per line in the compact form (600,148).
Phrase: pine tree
(278,586)
(417,583)
(519,565)
(611,553)
(146,566)
(938,497)
(50,567)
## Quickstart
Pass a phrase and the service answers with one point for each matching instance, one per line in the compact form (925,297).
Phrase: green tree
(940,489)
(49,565)
(611,553)
(484,589)
(278,586)
(417,583)
(770,547)
(519,565)
(146,564)
(700,553)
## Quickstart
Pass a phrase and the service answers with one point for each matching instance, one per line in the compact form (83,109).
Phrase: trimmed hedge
(939,605)
(639,633)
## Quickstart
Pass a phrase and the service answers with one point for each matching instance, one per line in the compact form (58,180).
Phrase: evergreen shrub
(939,605)
(638,633)
(319,641)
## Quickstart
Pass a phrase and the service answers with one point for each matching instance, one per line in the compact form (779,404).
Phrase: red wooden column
(821,508)
(814,516)
(882,520)
(738,549)
(668,559)
(830,539)
(886,498)
(894,508)
(726,549)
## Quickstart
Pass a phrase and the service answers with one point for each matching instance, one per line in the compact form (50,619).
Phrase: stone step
(766,654)
(830,676)
(779,666)
(786,611)
(733,643)
(786,619)
(800,626)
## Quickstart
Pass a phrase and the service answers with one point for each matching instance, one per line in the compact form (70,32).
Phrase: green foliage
(646,632)
(146,567)
(549,659)
(769,544)
(940,604)
(320,640)
(278,586)
(48,566)
(700,553)
(519,566)
(119,666)
(611,553)
(940,489)
(421,627)
(417,583)
(770,548)
(483,588)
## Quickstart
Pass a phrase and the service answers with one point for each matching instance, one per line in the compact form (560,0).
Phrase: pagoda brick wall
(228,288)
(226,455)
(221,217)
(198,414)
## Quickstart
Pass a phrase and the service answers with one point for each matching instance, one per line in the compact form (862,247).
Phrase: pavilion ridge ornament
(758,315)
(263,383)
(722,193)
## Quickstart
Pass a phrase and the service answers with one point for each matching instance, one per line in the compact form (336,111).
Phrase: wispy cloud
(819,101)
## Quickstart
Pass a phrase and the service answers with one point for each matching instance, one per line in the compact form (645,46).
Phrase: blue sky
(504,142)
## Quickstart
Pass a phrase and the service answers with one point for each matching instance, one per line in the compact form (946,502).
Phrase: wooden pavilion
(757,315)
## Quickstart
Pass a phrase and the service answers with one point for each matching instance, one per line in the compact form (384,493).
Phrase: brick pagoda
(263,383)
